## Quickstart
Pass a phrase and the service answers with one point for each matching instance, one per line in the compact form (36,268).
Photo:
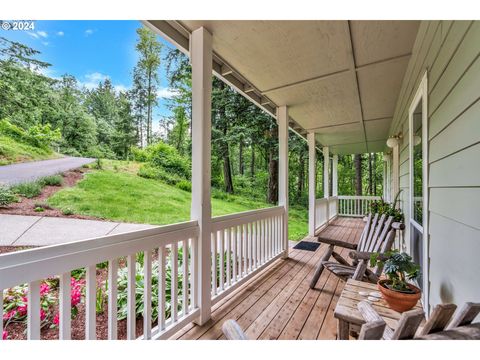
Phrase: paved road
(29,171)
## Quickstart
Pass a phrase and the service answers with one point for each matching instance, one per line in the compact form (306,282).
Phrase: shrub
(184,185)
(6,196)
(28,190)
(138,154)
(167,157)
(38,135)
(53,180)
(39,209)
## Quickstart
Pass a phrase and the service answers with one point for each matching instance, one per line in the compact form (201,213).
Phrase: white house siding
(449,51)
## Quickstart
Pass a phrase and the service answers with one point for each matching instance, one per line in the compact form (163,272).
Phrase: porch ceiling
(340,79)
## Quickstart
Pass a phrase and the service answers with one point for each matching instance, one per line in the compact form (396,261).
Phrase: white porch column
(201,59)
(386,177)
(335,176)
(312,186)
(326,178)
(282,120)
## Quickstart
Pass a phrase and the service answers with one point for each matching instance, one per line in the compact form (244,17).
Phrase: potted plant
(395,289)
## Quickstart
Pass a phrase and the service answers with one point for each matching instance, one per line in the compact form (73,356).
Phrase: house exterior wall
(449,52)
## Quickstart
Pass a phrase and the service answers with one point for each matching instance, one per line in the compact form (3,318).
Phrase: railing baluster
(249,246)
(193,274)
(264,249)
(185,253)
(131,300)
(162,288)
(90,301)
(214,263)
(222,259)
(147,295)
(112,298)
(174,295)
(33,311)
(244,250)
(65,307)
(235,252)
(229,257)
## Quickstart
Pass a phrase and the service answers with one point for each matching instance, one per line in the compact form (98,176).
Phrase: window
(418,204)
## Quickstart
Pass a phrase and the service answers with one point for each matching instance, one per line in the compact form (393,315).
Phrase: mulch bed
(18,331)
(27,206)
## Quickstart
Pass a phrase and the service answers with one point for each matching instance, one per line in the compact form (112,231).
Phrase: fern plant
(398,267)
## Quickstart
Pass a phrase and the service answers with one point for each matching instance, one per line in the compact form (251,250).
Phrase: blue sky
(91,51)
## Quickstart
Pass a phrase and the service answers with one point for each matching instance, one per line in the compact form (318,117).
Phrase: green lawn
(123,196)
(12,151)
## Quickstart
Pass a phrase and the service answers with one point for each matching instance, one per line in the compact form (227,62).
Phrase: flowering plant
(15,303)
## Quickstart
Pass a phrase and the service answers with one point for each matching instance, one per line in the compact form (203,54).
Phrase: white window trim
(421,95)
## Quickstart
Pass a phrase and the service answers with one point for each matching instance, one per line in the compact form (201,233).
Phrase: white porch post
(312,186)
(282,120)
(326,178)
(201,59)
(335,175)
(386,177)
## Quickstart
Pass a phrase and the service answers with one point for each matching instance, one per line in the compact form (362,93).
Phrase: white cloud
(42,34)
(32,34)
(45,43)
(89,32)
(93,79)
(120,88)
(60,33)
(166,93)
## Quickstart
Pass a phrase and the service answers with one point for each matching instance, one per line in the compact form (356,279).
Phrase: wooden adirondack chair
(377,236)
(440,325)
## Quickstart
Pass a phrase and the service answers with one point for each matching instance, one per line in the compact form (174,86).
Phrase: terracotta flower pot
(399,301)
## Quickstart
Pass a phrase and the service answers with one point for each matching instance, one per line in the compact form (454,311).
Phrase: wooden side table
(347,314)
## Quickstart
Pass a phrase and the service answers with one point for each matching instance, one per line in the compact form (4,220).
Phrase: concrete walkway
(29,171)
(19,230)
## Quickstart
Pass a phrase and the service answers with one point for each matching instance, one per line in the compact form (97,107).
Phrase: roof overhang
(340,79)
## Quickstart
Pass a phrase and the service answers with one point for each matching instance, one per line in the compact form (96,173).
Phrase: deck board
(278,303)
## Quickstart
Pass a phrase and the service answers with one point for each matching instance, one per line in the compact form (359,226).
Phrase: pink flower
(44,289)
(42,315)
(9,315)
(56,319)
(22,310)
(5,335)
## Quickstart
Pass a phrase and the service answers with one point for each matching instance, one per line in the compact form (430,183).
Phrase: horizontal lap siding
(449,51)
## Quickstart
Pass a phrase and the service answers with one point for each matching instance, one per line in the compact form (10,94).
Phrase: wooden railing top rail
(355,197)
(33,264)
(226,221)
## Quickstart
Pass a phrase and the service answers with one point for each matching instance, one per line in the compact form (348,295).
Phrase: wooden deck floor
(278,303)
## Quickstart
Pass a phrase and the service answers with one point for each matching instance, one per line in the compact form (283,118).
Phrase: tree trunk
(252,162)
(301,174)
(149,107)
(272,194)
(241,169)
(358,174)
(370,174)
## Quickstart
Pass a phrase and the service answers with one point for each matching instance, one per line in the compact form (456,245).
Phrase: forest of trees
(105,123)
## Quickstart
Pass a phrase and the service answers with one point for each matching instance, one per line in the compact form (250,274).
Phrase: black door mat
(307,245)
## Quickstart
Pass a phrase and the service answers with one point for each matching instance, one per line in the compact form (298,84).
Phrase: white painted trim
(201,58)
(335,175)
(326,177)
(312,185)
(421,95)
(282,120)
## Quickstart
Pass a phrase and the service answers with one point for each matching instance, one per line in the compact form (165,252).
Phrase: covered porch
(277,303)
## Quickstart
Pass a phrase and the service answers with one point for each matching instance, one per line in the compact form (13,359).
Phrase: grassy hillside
(13,151)
(123,196)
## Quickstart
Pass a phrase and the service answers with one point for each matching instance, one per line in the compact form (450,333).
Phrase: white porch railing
(356,206)
(244,243)
(325,210)
(332,207)
(33,266)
